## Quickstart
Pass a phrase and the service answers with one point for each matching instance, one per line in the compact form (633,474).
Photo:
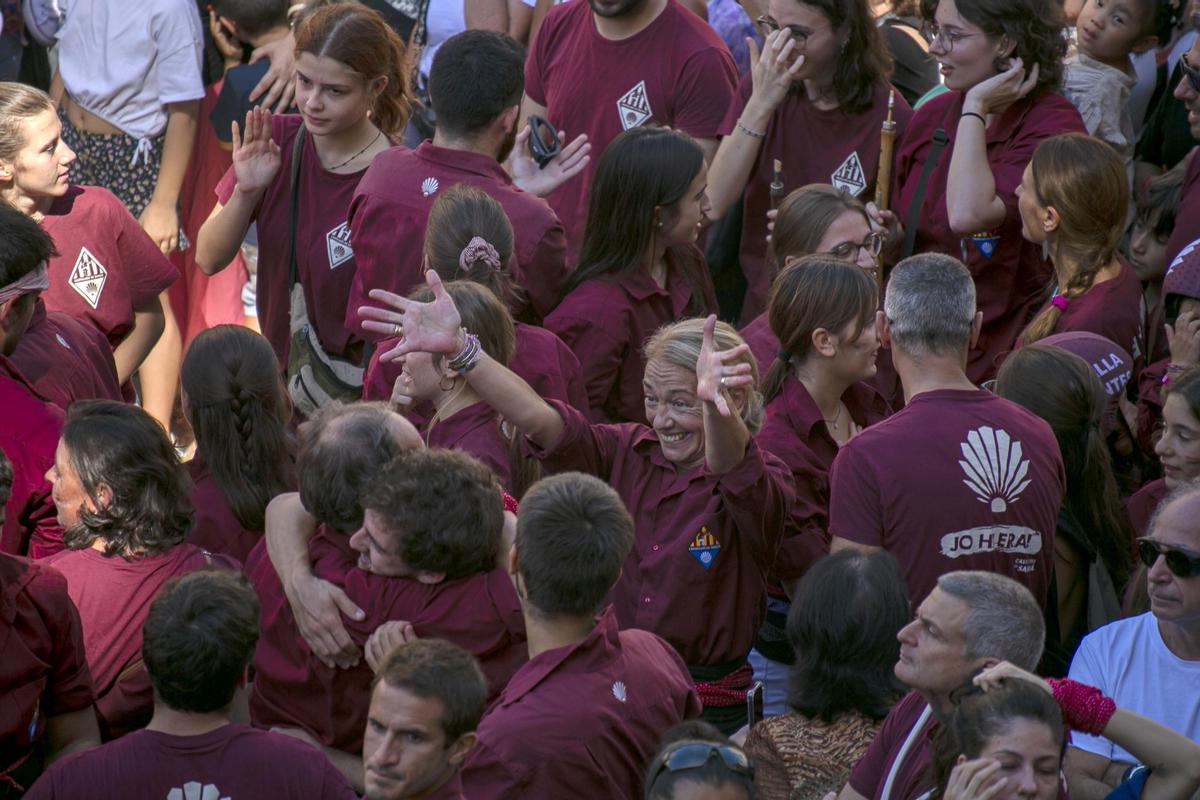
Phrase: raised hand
(774,70)
(1183,340)
(256,158)
(569,162)
(1000,91)
(714,377)
(990,678)
(434,327)
(975,780)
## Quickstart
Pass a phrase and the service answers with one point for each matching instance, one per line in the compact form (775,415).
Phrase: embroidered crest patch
(704,547)
(88,277)
(337,244)
(634,107)
(985,244)
(850,175)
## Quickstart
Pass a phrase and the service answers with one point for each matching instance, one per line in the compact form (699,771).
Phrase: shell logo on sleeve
(634,107)
(88,277)
(337,245)
(618,690)
(429,186)
(994,467)
(850,175)
(704,547)
(193,790)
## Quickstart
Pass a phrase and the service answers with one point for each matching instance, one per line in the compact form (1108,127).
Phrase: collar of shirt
(10,371)
(452,789)
(463,161)
(865,405)
(588,656)
(646,442)
(639,285)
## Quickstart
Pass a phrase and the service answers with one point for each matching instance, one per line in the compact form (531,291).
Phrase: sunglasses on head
(1181,563)
(694,755)
(1190,72)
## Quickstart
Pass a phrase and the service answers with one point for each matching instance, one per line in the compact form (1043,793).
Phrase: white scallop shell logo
(194,791)
(994,467)
(429,186)
(618,691)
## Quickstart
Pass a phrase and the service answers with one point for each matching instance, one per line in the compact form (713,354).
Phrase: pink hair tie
(478,249)
(1059,302)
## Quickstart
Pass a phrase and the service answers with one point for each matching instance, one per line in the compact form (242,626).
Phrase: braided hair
(238,410)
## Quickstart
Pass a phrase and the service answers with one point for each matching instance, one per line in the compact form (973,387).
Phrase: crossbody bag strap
(293,202)
(913,217)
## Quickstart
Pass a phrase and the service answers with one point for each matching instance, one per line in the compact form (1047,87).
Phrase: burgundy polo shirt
(106,264)
(696,575)
(606,321)
(910,768)
(391,209)
(580,717)
(541,359)
(956,480)
(44,672)
(1010,283)
(1187,218)
(450,790)
(65,359)
(795,431)
(475,430)
(813,145)
(675,72)
(215,528)
(29,437)
(293,688)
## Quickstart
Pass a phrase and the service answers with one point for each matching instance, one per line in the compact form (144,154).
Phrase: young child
(1099,76)
(244,22)
(1156,206)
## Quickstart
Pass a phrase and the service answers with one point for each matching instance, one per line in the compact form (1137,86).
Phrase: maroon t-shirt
(391,209)
(606,321)
(702,543)
(676,72)
(293,688)
(1143,503)
(215,528)
(541,359)
(231,763)
(43,671)
(106,264)
(913,775)
(113,596)
(66,359)
(795,431)
(1010,282)
(1187,218)
(29,437)
(580,717)
(813,146)
(956,480)
(325,261)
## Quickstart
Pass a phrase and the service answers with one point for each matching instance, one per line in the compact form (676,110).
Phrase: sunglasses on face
(1181,563)
(693,755)
(1190,72)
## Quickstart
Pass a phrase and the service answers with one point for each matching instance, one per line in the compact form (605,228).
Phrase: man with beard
(605,66)
(475,87)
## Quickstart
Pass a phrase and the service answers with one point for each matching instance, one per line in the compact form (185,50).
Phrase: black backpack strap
(297,150)
(913,217)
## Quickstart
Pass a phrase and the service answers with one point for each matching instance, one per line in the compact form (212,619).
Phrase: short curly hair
(1036,27)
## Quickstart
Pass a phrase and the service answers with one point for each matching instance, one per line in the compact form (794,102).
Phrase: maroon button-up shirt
(66,359)
(28,436)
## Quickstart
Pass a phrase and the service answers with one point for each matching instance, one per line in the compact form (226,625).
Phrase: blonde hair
(18,103)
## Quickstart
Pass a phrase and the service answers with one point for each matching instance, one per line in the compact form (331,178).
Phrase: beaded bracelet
(466,358)
(1085,708)
(749,132)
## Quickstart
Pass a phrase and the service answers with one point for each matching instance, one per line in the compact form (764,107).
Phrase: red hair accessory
(510,502)
(1059,302)
(1085,708)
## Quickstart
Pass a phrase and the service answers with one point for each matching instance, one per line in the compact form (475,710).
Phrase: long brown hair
(458,215)
(804,217)
(1084,180)
(358,37)
(239,411)
(817,291)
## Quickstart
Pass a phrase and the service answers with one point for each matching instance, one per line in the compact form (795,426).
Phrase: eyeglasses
(767,25)
(1190,72)
(947,39)
(693,755)
(848,251)
(1181,563)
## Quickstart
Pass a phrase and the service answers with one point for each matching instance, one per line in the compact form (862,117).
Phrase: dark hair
(1187,387)
(6,482)
(254,17)
(978,716)
(1084,180)
(843,623)
(24,245)
(864,60)
(804,217)
(433,668)
(815,292)
(458,215)
(475,77)
(640,170)
(712,773)
(1035,27)
(341,448)
(1159,197)
(573,535)
(199,638)
(447,508)
(1159,18)
(359,38)
(120,446)
(239,412)
(1063,389)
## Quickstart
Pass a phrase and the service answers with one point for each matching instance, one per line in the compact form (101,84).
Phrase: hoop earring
(442,383)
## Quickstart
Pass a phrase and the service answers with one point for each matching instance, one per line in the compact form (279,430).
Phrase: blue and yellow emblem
(704,547)
(985,243)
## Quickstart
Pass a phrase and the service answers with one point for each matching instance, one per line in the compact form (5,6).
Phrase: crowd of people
(664,399)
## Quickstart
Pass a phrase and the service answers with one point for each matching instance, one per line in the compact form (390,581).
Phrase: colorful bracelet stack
(466,358)
(1085,708)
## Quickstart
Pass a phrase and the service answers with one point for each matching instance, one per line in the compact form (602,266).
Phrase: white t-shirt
(444,19)
(1128,661)
(124,61)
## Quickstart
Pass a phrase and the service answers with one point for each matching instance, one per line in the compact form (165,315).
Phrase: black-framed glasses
(693,755)
(767,25)
(947,39)
(1190,72)
(848,251)
(1181,563)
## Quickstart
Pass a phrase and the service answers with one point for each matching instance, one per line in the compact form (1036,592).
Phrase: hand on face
(774,70)
(1183,339)
(1000,91)
(975,780)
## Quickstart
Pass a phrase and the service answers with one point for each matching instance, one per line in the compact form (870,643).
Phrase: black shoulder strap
(913,217)
(297,150)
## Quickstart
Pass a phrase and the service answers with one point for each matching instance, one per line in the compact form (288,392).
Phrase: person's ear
(658,222)
(101,499)
(508,119)
(824,342)
(976,327)
(883,330)
(430,578)
(512,560)
(788,261)
(457,753)
(1005,48)
(377,86)
(1145,43)
(960,760)
(7,169)
(1050,219)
